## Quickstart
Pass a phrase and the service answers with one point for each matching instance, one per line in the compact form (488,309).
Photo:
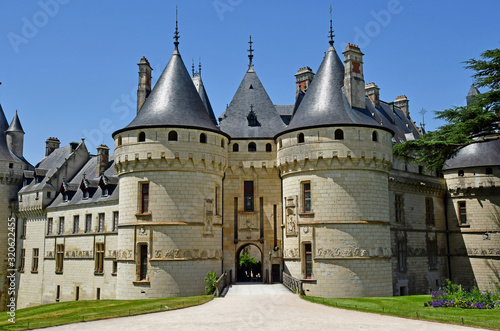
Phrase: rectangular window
(432,252)
(248,195)
(399,208)
(99,258)
(216,200)
(77,293)
(34,262)
(76,223)
(145,198)
(88,223)
(115,267)
(306,193)
(23,235)
(115,221)
(59,258)
(61,225)
(58,293)
(308,260)
(462,212)
(22,261)
(429,212)
(143,263)
(98,294)
(101,222)
(49,226)
(402,255)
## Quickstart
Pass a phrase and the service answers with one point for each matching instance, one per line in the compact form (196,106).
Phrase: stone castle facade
(313,187)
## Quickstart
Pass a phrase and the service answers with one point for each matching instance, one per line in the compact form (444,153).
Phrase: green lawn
(413,307)
(78,311)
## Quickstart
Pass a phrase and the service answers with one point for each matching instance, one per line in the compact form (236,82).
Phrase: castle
(311,189)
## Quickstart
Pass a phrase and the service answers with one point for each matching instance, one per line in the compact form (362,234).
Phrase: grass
(79,311)
(413,307)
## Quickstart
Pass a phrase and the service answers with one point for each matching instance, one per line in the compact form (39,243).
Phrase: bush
(453,295)
(211,280)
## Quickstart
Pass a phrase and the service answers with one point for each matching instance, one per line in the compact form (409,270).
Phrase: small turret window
(300,138)
(172,136)
(252,147)
(461,173)
(280,144)
(222,144)
(269,148)
(236,148)
(374,136)
(339,134)
(203,138)
(141,137)
(489,171)
(119,140)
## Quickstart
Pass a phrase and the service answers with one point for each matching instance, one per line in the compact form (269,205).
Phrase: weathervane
(331,35)
(250,50)
(176,34)
(199,67)
(423,111)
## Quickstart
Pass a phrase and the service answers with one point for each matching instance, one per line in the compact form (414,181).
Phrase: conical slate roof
(5,154)
(251,97)
(173,102)
(480,154)
(15,125)
(198,83)
(325,104)
(473,91)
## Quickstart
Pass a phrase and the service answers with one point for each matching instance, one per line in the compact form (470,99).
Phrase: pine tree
(472,124)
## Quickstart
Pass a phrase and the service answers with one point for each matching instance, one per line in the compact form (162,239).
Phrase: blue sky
(70,66)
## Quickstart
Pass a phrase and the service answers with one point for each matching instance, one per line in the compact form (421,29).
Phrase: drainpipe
(447,235)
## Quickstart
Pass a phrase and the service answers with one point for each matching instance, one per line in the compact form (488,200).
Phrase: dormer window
(252,118)
(65,197)
(85,194)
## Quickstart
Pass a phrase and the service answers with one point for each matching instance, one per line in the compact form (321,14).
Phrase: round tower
(170,160)
(15,136)
(473,214)
(334,160)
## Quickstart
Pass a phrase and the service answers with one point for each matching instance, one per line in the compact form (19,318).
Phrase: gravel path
(261,307)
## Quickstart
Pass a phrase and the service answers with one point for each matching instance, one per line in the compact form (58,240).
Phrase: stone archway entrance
(249,264)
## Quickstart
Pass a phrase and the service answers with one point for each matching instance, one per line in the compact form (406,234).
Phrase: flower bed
(453,295)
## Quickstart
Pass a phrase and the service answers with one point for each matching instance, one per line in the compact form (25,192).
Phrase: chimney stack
(51,145)
(144,88)
(354,81)
(403,103)
(303,79)
(102,159)
(372,92)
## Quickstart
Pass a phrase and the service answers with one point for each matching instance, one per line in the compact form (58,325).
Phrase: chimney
(144,88)
(402,102)
(303,79)
(354,81)
(51,145)
(372,92)
(102,159)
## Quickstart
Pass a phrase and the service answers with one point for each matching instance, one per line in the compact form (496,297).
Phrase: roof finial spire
(250,50)
(192,67)
(176,34)
(331,35)
(199,67)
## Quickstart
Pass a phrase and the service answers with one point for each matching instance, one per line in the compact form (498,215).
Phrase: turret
(15,136)
(144,88)
(472,93)
(354,81)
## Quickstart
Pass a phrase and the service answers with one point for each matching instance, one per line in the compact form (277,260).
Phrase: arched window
(461,173)
(222,143)
(280,144)
(119,140)
(489,171)
(142,137)
(374,136)
(203,138)
(339,134)
(300,138)
(236,148)
(252,147)
(172,136)
(269,148)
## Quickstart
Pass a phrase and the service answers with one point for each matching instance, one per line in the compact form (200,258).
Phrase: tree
(477,122)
